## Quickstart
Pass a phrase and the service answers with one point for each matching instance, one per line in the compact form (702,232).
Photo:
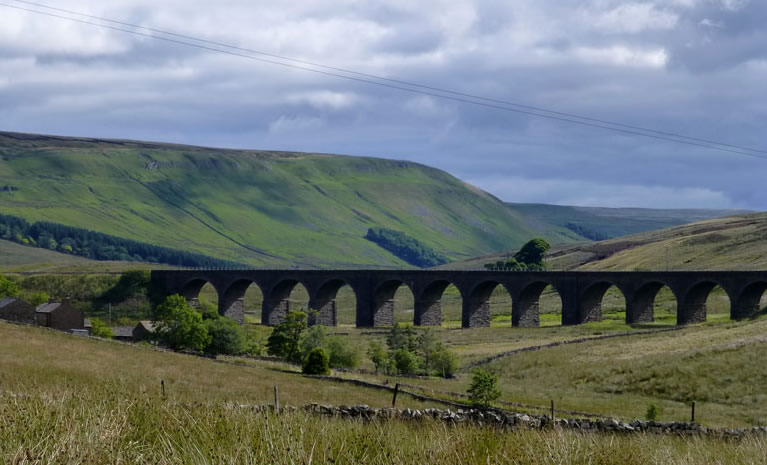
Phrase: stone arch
(384,303)
(525,309)
(277,301)
(476,307)
(692,307)
(428,304)
(590,303)
(323,306)
(747,303)
(640,304)
(191,290)
(231,302)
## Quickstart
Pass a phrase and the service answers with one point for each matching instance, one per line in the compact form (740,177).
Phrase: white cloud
(623,56)
(583,193)
(632,18)
(294,124)
(324,99)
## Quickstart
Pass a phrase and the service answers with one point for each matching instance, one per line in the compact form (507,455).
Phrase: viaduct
(581,293)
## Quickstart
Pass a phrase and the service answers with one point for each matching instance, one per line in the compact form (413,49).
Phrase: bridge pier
(274,311)
(475,313)
(232,308)
(427,313)
(323,312)
(748,303)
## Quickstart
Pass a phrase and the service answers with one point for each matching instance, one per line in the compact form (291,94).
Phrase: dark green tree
(341,353)
(316,362)
(533,252)
(285,340)
(484,388)
(428,344)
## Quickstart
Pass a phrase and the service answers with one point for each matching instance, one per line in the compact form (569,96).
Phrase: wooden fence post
(394,399)
(276,400)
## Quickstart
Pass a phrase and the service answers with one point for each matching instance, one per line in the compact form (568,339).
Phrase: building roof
(47,308)
(147,325)
(6,300)
(122,331)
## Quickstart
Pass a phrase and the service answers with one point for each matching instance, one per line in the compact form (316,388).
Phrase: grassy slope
(616,222)
(731,243)
(66,399)
(273,207)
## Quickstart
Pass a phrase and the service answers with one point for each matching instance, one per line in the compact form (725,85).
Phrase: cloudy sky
(692,67)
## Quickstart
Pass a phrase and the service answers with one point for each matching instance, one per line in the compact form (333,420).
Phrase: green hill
(595,223)
(254,207)
(731,243)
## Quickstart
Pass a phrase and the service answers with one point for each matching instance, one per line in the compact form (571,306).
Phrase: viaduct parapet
(581,293)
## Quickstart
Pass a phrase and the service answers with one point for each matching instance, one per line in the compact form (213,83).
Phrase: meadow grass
(65,399)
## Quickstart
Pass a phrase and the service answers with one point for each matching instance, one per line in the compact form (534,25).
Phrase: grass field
(65,399)
(731,243)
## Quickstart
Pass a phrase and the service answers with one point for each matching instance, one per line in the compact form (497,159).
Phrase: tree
(180,326)
(341,353)
(445,363)
(401,336)
(428,344)
(378,355)
(100,329)
(285,340)
(36,298)
(484,388)
(533,252)
(316,362)
(314,337)
(227,337)
(8,287)
(405,361)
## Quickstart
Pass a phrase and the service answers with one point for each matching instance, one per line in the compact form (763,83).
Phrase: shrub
(341,353)
(8,287)
(378,356)
(405,361)
(652,412)
(100,329)
(445,363)
(484,388)
(316,362)
(226,337)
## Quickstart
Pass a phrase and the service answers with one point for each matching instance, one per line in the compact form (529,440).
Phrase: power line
(398,84)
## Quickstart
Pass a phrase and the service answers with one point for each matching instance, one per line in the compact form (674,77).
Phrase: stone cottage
(59,315)
(16,310)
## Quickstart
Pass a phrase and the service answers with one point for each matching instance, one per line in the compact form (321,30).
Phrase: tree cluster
(531,257)
(182,327)
(410,352)
(405,247)
(293,341)
(99,246)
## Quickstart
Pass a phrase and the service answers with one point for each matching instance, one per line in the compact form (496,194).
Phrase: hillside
(254,207)
(597,223)
(731,243)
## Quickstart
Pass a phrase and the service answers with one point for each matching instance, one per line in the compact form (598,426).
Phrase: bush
(226,337)
(378,356)
(341,353)
(652,412)
(100,329)
(316,362)
(484,388)
(445,363)
(8,287)
(405,361)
